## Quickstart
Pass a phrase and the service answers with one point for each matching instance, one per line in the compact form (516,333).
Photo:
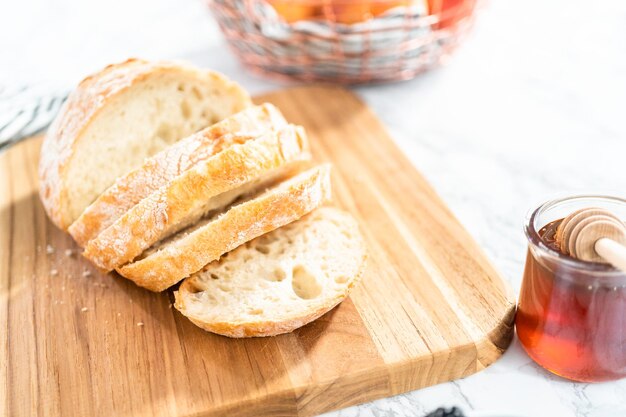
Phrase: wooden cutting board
(431,307)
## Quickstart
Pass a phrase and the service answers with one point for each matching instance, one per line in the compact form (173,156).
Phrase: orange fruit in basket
(340,11)
(451,11)
(293,11)
(379,7)
(346,11)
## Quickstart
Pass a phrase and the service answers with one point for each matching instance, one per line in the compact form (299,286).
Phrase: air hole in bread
(341,279)
(181,87)
(262,249)
(165,132)
(196,93)
(214,276)
(304,283)
(255,311)
(278,274)
(300,142)
(267,239)
(185,109)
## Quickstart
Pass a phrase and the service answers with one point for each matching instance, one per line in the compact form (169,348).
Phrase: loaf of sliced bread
(131,170)
(117,118)
(128,190)
(210,186)
(188,251)
(279,281)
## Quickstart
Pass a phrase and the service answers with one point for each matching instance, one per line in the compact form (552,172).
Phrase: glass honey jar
(572,314)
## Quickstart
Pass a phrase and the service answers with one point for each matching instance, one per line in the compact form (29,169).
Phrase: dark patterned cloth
(26,110)
(446,412)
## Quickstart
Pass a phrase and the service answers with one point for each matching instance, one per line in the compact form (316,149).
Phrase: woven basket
(396,45)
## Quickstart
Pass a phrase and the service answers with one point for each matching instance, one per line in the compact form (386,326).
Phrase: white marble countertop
(531,107)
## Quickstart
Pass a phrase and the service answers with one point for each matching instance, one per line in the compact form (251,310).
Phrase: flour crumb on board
(140,324)
(49,249)
(86,273)
(84,309)
(54,272)
(70,252)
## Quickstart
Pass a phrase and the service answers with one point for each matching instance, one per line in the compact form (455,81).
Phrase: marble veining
(530,108)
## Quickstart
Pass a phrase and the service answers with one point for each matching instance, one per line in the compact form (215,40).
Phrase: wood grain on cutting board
(429,309)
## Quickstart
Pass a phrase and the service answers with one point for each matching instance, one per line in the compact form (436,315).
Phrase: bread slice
(279,281)
(117,118)
(211,185)
(130,189)
(188,251)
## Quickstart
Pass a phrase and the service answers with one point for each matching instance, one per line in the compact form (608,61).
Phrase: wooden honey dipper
(594,235)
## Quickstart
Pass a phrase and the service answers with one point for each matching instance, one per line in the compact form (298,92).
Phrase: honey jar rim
(534,239)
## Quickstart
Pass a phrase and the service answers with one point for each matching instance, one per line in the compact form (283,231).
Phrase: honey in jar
(572,314)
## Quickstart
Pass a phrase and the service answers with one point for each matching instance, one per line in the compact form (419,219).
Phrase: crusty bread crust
(151,219)
(269,327)
(163,167)
(262,328)
(242,223)
(79,111)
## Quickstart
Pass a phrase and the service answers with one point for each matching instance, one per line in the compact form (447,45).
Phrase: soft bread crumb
(279,281)
(138,132)
(118,117)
